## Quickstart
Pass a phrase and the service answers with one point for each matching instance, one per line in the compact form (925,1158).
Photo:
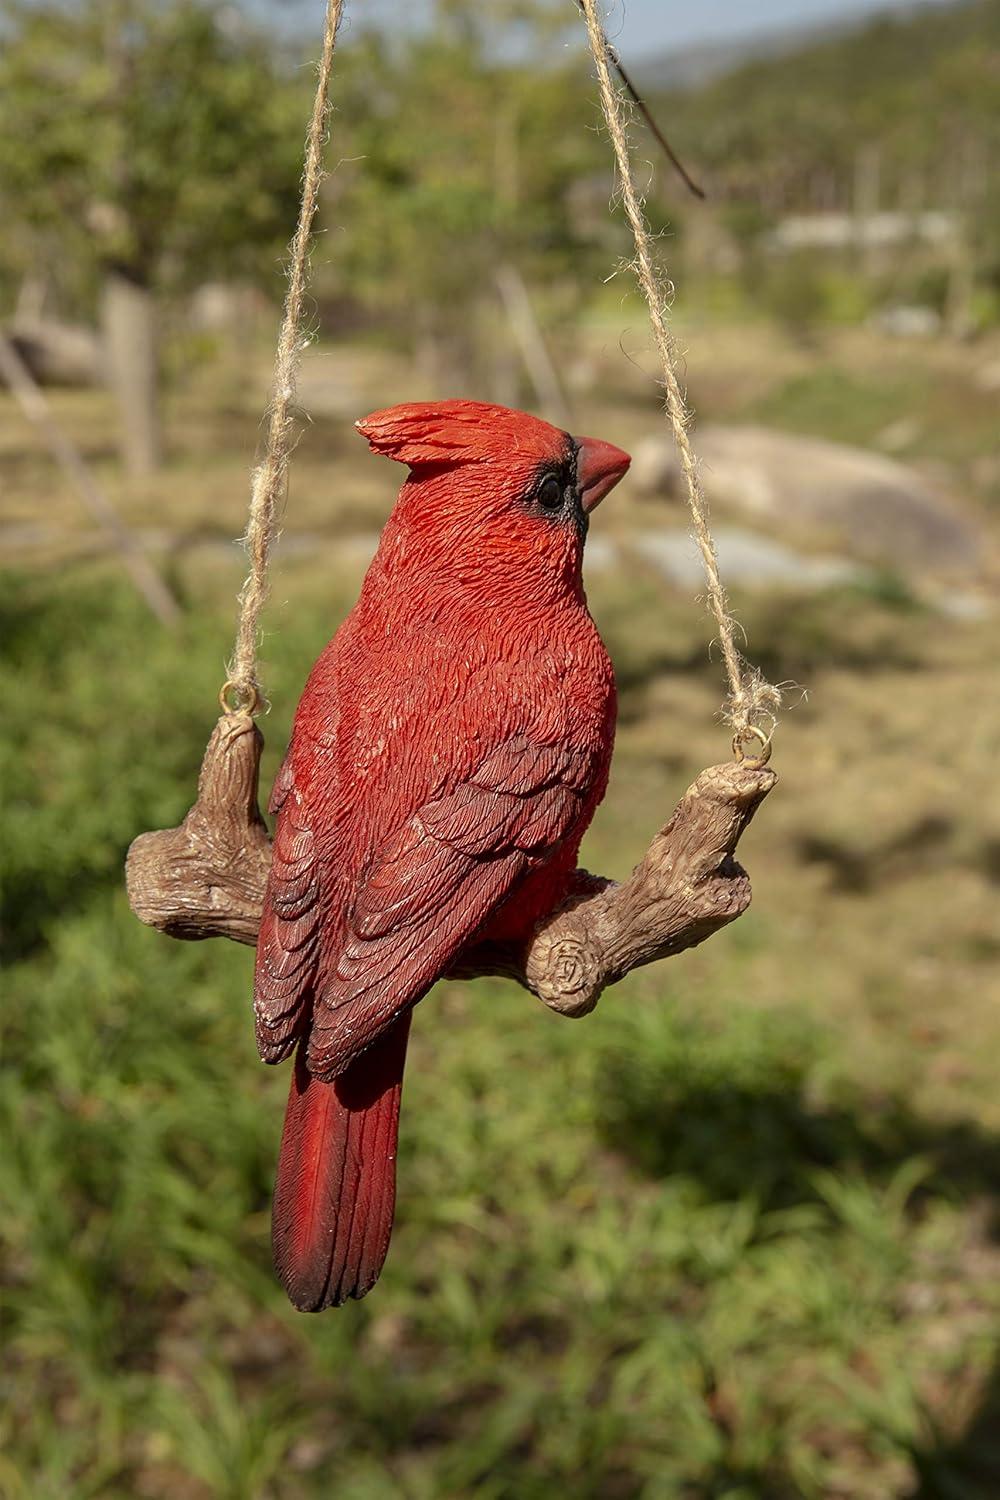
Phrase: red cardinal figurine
(450,748)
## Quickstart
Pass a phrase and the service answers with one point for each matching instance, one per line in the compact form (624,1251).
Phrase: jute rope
(242,690)
(752,701)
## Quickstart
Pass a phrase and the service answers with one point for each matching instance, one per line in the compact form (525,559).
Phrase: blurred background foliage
(734,1236)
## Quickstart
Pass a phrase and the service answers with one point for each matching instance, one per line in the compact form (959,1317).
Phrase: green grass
(676,1251)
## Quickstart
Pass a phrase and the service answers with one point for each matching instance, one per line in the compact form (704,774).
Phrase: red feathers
(449,750)
(458,432)
(336,1183)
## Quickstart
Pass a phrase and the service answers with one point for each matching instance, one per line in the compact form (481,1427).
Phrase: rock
(655,467)
(908,322)
(58,353)
(848,499)
(746,560)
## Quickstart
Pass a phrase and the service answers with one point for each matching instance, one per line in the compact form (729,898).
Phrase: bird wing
(434,882)
(288,944)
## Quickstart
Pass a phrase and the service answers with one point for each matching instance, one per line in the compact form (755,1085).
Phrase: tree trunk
(128,317)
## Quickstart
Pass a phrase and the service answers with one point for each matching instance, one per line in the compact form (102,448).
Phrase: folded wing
(288,945)
(422,896)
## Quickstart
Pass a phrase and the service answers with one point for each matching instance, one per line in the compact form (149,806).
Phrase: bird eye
(550,493)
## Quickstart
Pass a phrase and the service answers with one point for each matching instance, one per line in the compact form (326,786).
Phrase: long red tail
(335,1189)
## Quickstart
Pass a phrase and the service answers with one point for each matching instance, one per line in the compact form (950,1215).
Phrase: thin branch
(647,115)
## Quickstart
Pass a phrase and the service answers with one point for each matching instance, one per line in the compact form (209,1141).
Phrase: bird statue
(449,750)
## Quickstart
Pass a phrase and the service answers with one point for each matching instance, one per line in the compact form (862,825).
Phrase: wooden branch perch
(206,879)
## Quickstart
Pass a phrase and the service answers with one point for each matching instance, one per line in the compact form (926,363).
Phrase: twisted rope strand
(751,700)
(242,691)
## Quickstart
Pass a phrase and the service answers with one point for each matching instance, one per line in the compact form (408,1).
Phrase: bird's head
(492,489)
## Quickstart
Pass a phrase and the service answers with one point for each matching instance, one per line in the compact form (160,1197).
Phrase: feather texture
(447,754)
(336,1182)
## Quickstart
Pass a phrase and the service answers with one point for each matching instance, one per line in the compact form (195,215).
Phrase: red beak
(599,466)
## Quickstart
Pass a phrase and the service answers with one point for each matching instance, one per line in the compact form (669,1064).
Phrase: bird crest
(424,433)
